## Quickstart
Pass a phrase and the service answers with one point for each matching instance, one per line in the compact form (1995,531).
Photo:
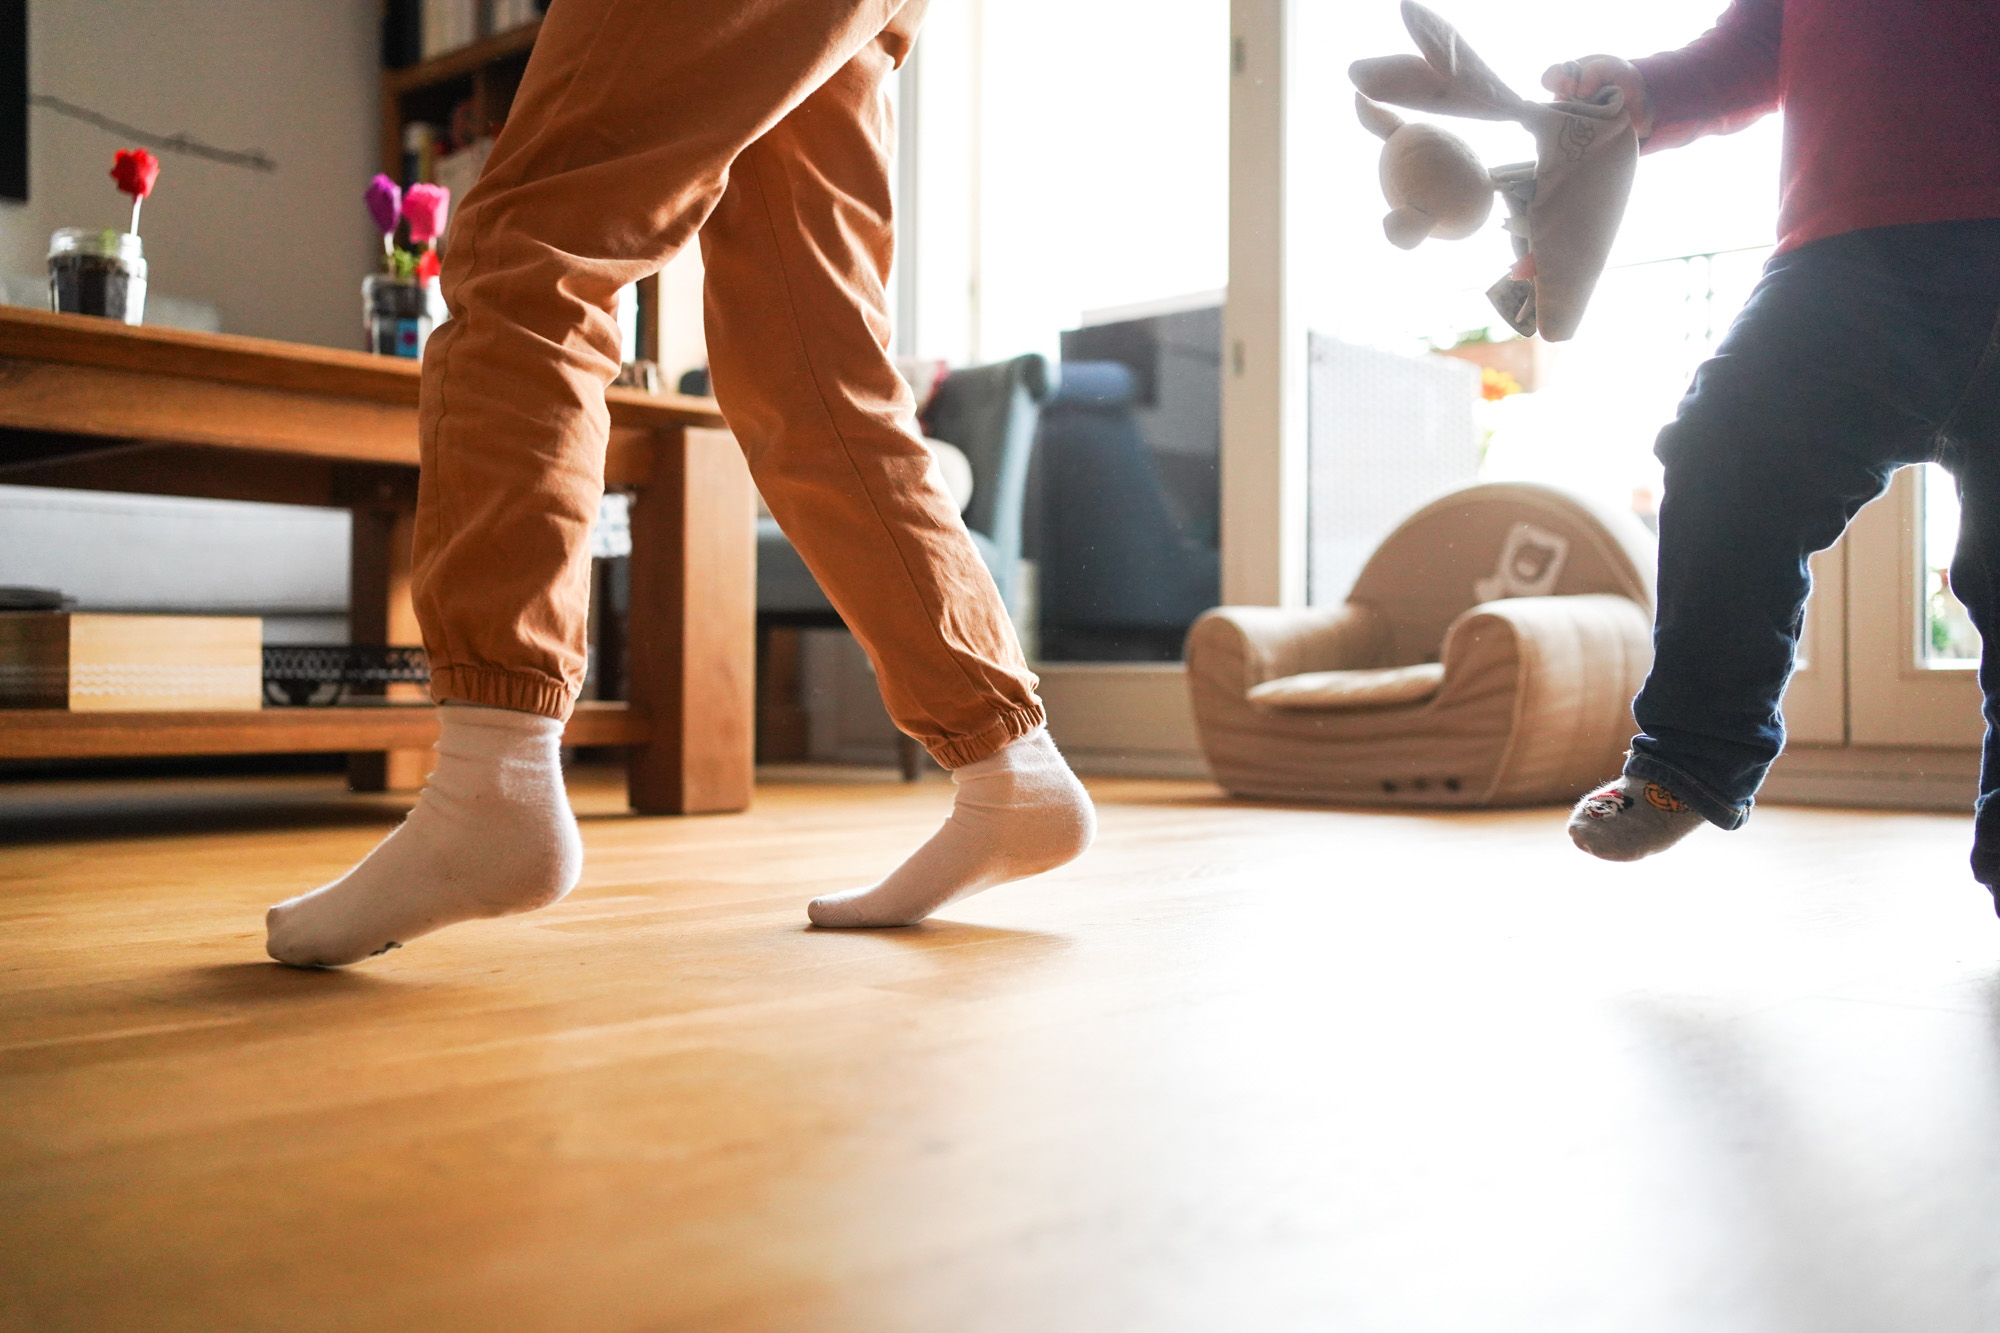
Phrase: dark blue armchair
(1119,578)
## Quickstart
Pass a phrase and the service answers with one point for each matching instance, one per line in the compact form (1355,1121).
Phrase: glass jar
(397,315)
(97,273)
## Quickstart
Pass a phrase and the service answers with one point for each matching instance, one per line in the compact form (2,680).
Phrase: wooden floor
(1244,1068)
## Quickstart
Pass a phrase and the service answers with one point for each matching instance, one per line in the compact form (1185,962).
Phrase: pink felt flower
(385,203)
(424,207)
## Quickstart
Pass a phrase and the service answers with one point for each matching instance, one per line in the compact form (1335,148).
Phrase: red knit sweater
(1892,107)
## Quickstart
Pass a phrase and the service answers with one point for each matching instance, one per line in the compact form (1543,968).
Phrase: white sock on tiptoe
(491,835)
(1017,813)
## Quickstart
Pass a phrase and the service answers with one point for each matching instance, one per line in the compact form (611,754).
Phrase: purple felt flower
(385,203)
(425,207)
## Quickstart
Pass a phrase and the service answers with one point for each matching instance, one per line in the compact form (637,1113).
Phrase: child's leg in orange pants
(759,123)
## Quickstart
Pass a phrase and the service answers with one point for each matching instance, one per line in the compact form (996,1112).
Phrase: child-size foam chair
(1487,655)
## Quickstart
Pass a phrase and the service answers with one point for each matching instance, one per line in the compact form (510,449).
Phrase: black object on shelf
(34,599)
(318,675)
(14,100)
(402,33)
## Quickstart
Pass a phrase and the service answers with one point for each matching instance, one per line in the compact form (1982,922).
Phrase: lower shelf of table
(59,734)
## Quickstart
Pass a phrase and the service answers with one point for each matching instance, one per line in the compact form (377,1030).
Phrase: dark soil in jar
(91,284)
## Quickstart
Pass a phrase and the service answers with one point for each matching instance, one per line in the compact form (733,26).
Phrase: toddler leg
(1844,366)
(1972,451)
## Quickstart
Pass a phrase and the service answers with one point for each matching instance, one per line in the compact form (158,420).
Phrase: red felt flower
(135,170)
(429,266)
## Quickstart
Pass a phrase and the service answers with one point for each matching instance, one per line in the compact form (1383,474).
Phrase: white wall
(281,255)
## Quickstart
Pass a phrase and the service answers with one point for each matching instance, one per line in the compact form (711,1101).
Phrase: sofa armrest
(1572,665)
(1253,644)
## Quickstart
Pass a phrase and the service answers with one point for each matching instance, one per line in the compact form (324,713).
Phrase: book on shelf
(88,662)
(448,25)
(420,151)
(425,29)
(457,171)
(507,15)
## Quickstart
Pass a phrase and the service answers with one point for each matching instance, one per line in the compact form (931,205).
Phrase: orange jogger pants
(761,125)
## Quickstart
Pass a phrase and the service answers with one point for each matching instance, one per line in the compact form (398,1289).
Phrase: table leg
(692,628)
(380,612)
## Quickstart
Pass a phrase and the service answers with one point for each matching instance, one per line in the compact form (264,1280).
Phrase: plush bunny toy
(1563,208)
(1434,184)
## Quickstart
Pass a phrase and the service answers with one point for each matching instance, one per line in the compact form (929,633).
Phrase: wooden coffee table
(94,405)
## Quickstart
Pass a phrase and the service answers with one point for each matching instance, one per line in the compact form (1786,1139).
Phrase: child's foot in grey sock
(1629,819)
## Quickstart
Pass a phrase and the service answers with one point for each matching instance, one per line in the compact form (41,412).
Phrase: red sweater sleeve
(1720,82)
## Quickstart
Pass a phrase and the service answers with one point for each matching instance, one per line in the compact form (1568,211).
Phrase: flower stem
(137,200)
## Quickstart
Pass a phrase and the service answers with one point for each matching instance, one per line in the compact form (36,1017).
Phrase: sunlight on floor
(1246,1066)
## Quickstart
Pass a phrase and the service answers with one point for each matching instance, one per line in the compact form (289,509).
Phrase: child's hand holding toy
(1585,80)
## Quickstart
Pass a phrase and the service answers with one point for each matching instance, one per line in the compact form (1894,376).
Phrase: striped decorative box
(100,663)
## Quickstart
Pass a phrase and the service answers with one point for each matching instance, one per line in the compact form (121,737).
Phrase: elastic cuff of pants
(1705,803)
(501,689)
(971,749)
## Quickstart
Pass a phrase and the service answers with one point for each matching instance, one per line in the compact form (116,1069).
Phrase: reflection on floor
(1244,1068)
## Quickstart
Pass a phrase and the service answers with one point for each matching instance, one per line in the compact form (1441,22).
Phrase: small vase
(397,315)
(97,273)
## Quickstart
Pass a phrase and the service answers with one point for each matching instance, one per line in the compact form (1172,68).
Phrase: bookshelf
(482,77)
(466,94)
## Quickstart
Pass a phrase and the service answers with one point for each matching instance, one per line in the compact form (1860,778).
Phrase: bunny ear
(1409,81)
(1456,62)
(1380,120)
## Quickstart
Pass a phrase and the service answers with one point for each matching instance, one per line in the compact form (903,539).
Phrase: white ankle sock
(491,835)
(1018,812)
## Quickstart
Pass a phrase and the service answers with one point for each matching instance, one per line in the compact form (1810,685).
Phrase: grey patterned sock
(1629,819)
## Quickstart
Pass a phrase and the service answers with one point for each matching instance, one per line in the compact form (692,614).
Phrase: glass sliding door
(1912,655)
(1099,229)
(1885,677)
(1581,415)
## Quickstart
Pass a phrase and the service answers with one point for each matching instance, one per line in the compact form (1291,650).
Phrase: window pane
(1101,238)
(1947,636)
(1694,238)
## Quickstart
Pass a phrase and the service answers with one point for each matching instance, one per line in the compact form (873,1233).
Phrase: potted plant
(1521,362)
(399,305)
(104,272)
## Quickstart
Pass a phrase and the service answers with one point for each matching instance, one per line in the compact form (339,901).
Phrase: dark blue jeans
(1856,355)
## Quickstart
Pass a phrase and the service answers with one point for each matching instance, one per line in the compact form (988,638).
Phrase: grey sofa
(1120,578)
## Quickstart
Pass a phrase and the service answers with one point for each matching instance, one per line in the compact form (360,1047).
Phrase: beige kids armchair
(1487,655)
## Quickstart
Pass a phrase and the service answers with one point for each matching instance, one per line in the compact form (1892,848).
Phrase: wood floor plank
(1243,1067)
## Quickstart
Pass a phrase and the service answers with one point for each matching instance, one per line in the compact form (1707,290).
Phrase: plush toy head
(1563,208)
(1433,182)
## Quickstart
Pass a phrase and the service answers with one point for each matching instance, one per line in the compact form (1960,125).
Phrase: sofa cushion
(1340,691)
